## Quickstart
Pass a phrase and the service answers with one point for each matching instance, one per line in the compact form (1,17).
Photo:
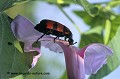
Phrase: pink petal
(95,56)
(24,31)
(74,63)
(51,45)
(35,59)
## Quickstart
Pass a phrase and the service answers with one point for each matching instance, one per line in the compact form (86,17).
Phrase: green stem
(69,18)
(101,3)
(107,31)
(61,1)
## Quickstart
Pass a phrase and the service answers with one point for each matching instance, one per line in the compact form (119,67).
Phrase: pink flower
(79,62)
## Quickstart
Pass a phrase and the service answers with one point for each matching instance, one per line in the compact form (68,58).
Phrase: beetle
(48,27)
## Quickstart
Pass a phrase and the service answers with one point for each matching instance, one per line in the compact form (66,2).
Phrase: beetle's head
(70,40)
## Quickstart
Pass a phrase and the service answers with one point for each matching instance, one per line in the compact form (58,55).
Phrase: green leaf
(90,38)
(97,30)
(113,61)
(93,35)
(11,60)
(92,10)
(98,20)
(114,26)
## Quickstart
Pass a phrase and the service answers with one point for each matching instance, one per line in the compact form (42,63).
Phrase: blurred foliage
(115,24)
(23,8)
(91,9)
(114,3)
(91,21)
(100,17)
(90,38)
(98,20)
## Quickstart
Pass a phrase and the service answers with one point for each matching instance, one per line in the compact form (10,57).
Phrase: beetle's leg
(43,35)
(40,37)
(55,38)
(65,38)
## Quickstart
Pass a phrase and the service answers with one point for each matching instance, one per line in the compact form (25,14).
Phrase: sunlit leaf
(113,61)
(5,4)
(18,77)
(114,3)
(97,30)
(107,31)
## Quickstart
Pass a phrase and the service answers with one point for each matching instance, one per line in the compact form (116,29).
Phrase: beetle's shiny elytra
(54,28)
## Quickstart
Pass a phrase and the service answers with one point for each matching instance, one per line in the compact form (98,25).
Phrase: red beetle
(52,27)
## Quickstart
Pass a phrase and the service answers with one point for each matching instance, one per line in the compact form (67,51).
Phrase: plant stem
(69,18)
